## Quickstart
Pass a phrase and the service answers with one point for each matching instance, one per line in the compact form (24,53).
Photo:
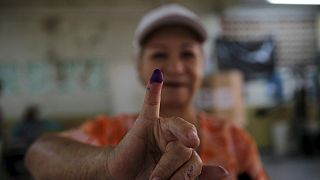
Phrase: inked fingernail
(156,76)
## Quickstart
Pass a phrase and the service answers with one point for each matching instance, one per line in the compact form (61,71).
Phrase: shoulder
(104,121)
(212,123)
(102,129)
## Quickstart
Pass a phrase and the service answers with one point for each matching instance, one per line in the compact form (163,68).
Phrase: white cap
(172,14)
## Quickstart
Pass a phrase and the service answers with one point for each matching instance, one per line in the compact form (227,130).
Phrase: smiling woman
(169,138)
(178,54)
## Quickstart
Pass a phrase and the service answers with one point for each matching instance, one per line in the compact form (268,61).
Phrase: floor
(292,168)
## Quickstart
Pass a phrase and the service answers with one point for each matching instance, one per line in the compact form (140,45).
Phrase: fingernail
(215,171)
(156,178)
(156,76)
(223,170)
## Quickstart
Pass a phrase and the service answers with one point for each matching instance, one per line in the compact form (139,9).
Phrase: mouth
(174,84)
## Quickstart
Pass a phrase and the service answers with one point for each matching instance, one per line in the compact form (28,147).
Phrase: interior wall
(318,31)
(292,27)
(63,39)
(73,60)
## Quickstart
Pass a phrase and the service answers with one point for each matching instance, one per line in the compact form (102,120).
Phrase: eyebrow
(157,45)
(161,46)
(187,45)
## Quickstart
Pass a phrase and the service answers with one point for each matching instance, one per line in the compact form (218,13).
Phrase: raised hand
(159,148)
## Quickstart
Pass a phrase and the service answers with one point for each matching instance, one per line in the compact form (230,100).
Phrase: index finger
(151,105)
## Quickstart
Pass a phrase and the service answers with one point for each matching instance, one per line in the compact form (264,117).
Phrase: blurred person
(169,138)
(24,133)
(1,116)
(1,131)
(31,127)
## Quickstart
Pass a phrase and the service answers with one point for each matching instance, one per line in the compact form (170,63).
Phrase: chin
(175,97)
(174,101)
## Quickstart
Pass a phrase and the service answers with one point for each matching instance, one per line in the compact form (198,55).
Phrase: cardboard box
(222,95)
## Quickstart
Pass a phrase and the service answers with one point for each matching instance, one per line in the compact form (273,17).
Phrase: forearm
(53,157)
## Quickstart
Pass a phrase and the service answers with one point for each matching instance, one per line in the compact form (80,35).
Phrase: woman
(171,142)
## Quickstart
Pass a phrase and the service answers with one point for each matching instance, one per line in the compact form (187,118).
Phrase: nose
(174,66)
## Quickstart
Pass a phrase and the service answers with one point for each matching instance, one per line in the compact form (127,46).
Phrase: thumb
(214,173)
(151,105)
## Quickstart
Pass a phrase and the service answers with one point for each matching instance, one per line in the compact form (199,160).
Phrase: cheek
(197,77)
(146,70)
(200,73)
(197,72)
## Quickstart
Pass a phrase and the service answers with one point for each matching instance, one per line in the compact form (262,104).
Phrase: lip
(175,84)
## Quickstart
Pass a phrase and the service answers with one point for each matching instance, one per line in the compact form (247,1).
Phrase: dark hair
(31,113)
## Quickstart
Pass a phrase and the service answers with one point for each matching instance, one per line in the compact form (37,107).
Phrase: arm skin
(153,147)
(135,157)
(80,161)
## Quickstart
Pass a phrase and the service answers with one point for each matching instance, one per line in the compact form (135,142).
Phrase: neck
(188,113)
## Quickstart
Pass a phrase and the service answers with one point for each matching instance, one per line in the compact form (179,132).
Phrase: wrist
(106,166)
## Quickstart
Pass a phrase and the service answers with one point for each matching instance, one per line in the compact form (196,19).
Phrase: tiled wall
(294,29)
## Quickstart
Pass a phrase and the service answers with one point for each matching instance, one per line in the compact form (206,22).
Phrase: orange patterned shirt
(222,143)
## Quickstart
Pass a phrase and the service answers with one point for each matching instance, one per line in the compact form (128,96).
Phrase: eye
(187,55)
(159,55)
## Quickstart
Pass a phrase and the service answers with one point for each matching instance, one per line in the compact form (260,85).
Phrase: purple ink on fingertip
(156,77)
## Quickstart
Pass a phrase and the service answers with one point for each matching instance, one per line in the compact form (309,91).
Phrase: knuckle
(186,125)
(182,150)
(165,120)
(180,120)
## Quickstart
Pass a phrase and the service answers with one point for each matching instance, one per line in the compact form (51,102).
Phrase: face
(179,55)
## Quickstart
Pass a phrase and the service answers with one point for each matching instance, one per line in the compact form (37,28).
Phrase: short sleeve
(247,154)
(107,130)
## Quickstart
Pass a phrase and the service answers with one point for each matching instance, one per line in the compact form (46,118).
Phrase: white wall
(54,36)
(80,35)
(318,31)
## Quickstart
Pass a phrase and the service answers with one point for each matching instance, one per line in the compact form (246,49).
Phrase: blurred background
(63,61)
